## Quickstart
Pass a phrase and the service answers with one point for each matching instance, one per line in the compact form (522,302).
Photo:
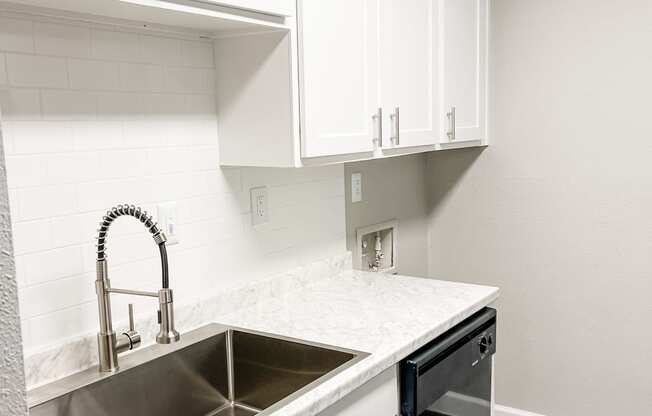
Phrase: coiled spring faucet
(109,345)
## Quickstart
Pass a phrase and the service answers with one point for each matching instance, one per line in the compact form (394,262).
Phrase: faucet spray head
(166,334)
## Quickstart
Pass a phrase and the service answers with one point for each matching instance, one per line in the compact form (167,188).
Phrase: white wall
(95,117)
(12,381)
(393,188)
(557,210)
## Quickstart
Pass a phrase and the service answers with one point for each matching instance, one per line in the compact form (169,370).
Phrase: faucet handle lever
(130,339)
(131,317)
(134,337)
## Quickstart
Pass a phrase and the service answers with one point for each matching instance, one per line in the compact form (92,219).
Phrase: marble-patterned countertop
(384,315)
(324,302)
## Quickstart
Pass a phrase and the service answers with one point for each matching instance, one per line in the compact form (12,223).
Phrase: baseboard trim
(510,411)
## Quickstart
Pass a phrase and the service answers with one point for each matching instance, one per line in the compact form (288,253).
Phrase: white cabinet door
(463,63)
(408,73)
(377,397)
(338,67)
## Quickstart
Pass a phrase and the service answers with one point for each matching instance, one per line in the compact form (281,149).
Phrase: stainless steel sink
(213,371)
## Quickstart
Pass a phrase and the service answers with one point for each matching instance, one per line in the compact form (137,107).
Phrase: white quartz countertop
(384,315)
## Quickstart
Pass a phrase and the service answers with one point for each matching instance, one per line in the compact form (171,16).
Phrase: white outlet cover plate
(259,205)
(356,187)
(168,220)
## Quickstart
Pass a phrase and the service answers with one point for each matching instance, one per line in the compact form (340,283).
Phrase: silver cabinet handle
(378,125)
(396,134)
(451,124)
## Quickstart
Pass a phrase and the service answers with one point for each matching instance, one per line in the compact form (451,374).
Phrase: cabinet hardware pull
(451,124)
(378,124)
(396,134)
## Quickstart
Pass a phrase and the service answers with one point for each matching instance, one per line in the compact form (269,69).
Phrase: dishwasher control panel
(484,345)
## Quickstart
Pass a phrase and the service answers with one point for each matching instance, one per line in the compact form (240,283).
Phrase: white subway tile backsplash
(16,35)
(172,186)
(55,295)
(187,80)
(231,205)
(113,45)
(25,171)
(120,106)
(119,117)
(207,232)
(141,77)
(206,182)
(144,134)
(62,39)
(65,168)
(30,236)
(204,158)
(160,50)
(93,75)
(97,135)
(198,209)
(201,106)
(103,195)
(199,132)
(39,136)
(28,71)
(20,104)
(122,164)
(52,265)
(197,54)
(47,329)
(46,201)
(168,160)
(129,248)
(70,230)
(68,105)
(168,107)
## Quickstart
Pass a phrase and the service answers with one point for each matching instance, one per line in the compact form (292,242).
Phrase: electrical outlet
(168,221)
(259,206)
(356,187)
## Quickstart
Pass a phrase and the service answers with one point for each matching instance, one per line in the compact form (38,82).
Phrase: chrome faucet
(108,344)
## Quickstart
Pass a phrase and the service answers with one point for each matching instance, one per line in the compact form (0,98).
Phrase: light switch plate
(259,205)
(356,187)
(167,214)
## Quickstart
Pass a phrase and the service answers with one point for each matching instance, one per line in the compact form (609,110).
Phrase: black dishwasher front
(451,376)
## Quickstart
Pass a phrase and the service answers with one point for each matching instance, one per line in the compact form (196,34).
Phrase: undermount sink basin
(212,371)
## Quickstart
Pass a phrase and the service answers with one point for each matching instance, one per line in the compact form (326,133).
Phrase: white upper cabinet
(355,79)
(408,73)
(463,54)
(338,73)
